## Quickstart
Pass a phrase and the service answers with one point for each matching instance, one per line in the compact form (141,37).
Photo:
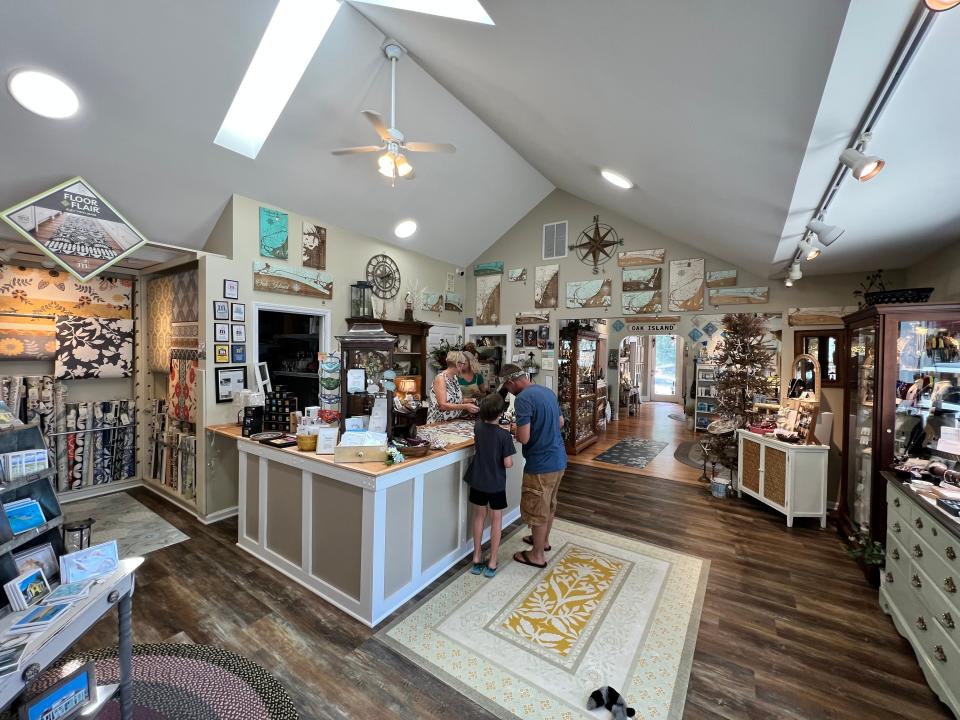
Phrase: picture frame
(221,332)
(221,310)
(221,354)
(69,695)
(228,380)
(90,563)
(231,289)
(42,557)
(238,312)
(238,353)
(238,333)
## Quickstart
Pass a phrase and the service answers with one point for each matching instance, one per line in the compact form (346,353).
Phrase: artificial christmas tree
(742,361)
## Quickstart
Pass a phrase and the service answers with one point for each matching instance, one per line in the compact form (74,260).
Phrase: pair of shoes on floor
(481,568)
(529,541)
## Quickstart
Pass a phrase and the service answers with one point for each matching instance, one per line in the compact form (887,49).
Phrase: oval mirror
(806,377)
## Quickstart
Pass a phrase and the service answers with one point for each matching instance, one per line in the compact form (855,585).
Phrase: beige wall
(347,256)
(940,271)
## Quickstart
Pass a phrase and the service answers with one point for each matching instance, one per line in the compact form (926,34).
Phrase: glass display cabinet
(366,374)
(902,387)
(577,374)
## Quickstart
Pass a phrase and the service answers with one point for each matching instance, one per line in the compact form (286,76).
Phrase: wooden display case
(366,347)
(891,408)
(577,389)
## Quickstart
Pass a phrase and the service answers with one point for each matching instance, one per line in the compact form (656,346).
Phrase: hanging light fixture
(863,167)
(826,234)
(809,250)
(788,282)
(393,163)
(795,272)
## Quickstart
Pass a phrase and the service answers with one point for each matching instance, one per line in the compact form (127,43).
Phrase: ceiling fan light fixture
(616,179)
(405,228)
(404,168)
(863,167)
(941,5)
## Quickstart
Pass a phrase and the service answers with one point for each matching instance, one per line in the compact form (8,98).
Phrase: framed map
(589,293)
(274,234)
(635,258)
(721,278)
(546,288)
(638,303)
(271,277)
(488,299)
(313,246)
(686,285)
(740,296)
(638,279)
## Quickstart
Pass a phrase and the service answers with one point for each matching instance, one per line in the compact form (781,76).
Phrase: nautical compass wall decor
(595,244)
(384,275)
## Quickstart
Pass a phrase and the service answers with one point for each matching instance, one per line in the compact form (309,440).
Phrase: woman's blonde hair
(454,357)
(473,362)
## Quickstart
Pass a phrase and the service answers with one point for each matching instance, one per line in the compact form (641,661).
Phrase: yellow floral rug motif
(559,608)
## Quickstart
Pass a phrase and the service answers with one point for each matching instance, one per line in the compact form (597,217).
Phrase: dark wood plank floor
(789,629)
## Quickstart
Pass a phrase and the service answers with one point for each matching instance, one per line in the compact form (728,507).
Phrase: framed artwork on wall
(274,240)
(238,353)
(221,332)
(239,334)
(231,289)
(230,380)
(221,353)
(239,312)
(221,310)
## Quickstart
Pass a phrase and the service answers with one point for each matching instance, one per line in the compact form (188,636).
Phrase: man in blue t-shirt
(538,431)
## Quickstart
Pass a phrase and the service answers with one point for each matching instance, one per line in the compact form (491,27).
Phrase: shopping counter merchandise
(364,536)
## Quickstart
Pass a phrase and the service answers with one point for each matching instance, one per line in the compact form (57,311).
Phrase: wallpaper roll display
(27,338)
(55,292)
(159,322)
(93,347)
(182,386)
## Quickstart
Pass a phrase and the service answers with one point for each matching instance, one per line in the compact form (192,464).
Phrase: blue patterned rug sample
(632,452)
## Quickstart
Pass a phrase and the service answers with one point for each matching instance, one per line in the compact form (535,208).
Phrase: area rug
(136,528)
(679,417)
(690,453)
(185,682)
(534,644)
(632,452)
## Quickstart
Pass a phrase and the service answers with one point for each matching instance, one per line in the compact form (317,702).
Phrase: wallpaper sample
(93,347)
(159,320)
(56,292)
(184,335)
(27,338)
(182,386)
(185,296)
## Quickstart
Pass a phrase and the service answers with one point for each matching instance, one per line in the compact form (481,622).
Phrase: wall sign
(76,227)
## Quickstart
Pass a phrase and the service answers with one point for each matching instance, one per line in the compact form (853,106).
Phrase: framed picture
(221,353)
(89,563)
(221,310)
(221,332)
(403,367)
(238,353)
(65,699)
(230,380)
(239,312)
(239,334)
(42,557)
(231,289)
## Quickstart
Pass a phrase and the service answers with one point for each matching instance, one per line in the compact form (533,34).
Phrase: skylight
(295,32)
(469,10)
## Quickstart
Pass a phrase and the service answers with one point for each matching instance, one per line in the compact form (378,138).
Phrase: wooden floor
(789,628)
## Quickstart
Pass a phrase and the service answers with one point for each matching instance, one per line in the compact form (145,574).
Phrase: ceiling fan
(393,162)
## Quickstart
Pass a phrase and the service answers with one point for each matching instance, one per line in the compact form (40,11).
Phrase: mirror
(827,347)
(806,377)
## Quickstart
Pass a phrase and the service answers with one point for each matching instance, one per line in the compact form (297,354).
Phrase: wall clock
(595,244)
(384,275)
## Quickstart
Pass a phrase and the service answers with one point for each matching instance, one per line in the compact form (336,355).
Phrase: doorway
(664,368)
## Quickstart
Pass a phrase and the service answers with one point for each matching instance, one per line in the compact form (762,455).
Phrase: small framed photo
(221,354)
(231,289)
(230,380)
(239,312)
(66,698)
(238,353)
(89,563)
(221,332)
(42,557)
(221,310)
(239,333)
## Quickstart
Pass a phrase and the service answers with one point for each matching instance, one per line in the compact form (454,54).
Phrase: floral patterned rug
(534,644)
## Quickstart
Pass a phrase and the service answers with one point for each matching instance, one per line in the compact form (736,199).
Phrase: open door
(664,368)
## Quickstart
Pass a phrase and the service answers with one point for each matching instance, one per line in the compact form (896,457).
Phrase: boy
(488,481)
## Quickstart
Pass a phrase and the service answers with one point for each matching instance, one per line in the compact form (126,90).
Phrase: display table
(791,478)
(364,536)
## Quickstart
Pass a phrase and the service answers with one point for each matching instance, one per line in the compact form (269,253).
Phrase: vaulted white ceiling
(728,115)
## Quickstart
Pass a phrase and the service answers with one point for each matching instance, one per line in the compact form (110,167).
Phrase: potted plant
(873,292)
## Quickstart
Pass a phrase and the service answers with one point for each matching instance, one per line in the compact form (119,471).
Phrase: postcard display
(78,333)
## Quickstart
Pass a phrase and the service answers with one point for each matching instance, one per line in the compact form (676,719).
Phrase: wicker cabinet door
(751,466)
(775,476)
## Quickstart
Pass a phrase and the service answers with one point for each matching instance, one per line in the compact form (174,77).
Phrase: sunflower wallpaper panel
(29,290)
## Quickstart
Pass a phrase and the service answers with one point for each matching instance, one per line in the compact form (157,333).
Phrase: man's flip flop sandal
(522,558)
(529,541)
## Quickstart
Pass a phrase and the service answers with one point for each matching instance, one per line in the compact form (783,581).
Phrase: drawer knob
(949,585)
(919,523)
(947,619)
(896,502)
(934,530)
(939,654)
(889,577)
(896,527)
(895,554)
(915,580)
(951,553)
(921,623)
(917,551)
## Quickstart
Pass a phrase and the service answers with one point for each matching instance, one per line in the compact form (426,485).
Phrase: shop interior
(297,387)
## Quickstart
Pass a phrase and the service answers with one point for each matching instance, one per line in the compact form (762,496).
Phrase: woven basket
(896,297)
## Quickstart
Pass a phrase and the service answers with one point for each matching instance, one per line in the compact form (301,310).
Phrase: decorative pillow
(93,347)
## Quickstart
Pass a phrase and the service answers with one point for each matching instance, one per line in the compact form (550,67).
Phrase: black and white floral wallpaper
(93,347)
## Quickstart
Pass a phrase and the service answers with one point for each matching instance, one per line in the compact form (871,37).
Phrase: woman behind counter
(446,398)
(472,383)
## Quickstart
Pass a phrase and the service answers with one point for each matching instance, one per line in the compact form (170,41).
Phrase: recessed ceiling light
(617,179)
(940,5)
(43,94)
(405,229)
(292,37)
(469,10)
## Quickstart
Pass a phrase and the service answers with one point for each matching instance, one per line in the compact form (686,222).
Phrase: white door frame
(326,327)
(652,370)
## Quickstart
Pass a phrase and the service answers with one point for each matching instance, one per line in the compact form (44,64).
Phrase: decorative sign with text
(76,227)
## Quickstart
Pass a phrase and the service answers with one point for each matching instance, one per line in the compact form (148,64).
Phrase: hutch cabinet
(577,387)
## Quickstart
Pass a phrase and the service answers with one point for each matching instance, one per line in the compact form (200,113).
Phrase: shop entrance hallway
(652,421)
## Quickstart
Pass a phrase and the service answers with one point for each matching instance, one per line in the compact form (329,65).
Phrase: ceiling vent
(555,240)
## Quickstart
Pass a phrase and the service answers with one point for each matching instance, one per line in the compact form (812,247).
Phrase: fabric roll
(79,468)
(60,444)
(182,385)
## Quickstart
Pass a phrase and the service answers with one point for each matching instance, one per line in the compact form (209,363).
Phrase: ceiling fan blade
(355,150)
(377,121)
(430,147)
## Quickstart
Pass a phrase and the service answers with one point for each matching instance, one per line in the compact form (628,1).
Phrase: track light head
(795,272)
(809,250)
(941,5)
(863,167)
(788,282)
(826,234)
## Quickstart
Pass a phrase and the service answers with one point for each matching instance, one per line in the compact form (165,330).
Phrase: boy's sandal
(478,568)
(489,572)
(529,541)
(524,559)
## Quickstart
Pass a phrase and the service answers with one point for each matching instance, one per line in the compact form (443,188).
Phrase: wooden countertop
(373,469)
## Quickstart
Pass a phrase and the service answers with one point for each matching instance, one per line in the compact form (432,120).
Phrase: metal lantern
(361,299)
(76,535)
